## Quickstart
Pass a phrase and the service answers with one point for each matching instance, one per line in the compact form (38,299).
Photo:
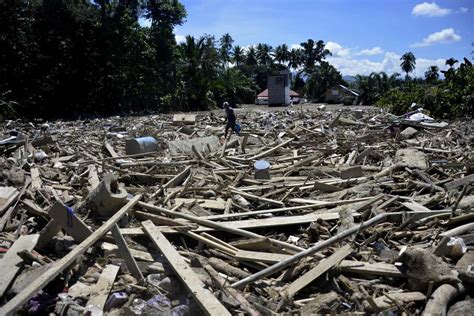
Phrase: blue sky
(363,35)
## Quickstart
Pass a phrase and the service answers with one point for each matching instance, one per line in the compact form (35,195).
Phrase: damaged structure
(307,212)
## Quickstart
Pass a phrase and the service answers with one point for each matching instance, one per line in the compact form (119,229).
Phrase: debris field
(308,211)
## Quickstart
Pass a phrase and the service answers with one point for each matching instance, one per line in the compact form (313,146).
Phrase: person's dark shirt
(230,116)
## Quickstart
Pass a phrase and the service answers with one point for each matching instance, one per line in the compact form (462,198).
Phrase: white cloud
(463,9)
(429,9)
(180,38)
(295,46)
(442,37)
(370,52)
(337,49)
(389,64)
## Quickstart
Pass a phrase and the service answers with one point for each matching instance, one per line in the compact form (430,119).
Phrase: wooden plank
(247,224)
(36,182)
(33,208)
(7,196)
(256,198)
(68,220)
(100,291)
(325,187)
(137,254)
(378,268)
(111,150)
(126,254)
(392,299)
(219,205)
(92,178)
(10,264)
(271,150)
(415,207)
(268,257)
(322,267)
(21,298)
(459,182)
(208,302)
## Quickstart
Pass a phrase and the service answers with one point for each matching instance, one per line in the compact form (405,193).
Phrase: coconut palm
(451,61)
(238,55)
(197,68)
(264,54)
(282,53)
(408,63)
(294,58)
(226,42)
(432,75)
(251,56)
(313,53)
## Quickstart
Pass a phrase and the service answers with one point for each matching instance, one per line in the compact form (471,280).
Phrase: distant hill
(349,79)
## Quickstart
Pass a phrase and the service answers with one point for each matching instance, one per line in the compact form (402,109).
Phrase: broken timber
(208,302)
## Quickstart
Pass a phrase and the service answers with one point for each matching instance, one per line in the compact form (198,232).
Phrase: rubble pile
(307,211)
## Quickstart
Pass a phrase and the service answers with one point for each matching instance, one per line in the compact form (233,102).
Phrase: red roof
(264,94)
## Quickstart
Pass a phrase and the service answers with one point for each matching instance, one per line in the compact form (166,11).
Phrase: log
(439,300)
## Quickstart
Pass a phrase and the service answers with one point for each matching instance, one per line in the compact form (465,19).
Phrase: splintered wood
(359,211)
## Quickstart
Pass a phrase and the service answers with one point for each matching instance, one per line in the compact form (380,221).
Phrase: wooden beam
(208,302)
(271,150)
(11,263)
(366,268)
(36,182)
(126,254)
(100,291)
(256,198)
(21,298)
(322,267)
(392,299)
(268,257)
(7,196)
(67,219)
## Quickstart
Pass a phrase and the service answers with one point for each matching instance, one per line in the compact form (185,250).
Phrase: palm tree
(198,59)
(451,61)
(251,56)
(238,55)
(226,42)
(264,54)
(313,52)
(282,53)
(294,58)
(432,75)
(408,63)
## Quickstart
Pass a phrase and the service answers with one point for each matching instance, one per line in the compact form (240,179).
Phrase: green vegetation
(451,97)
(63,58)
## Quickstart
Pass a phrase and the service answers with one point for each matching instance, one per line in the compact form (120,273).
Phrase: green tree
(451,62)
(264,54)
(312,54)
(251,56)
(226,42)
(432,75)
(282,54)
(408,63)
(198,72)
(322,78)
(295,58)
(238,55)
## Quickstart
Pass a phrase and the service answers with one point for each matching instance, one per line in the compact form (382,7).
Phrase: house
(262,97)
(340,94)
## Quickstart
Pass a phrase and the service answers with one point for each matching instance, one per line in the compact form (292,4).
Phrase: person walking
(230,119)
